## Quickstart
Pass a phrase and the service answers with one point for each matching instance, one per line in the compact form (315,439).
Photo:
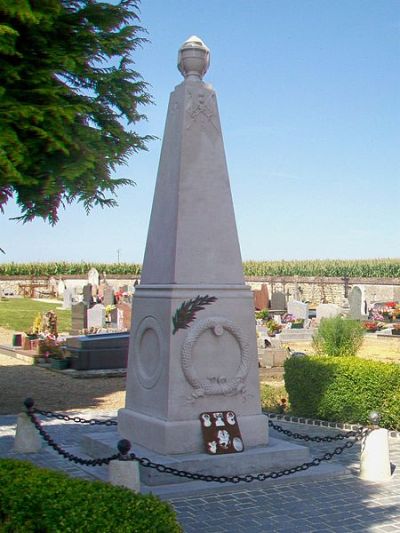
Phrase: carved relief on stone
(216,385)
(202,107)
(148,352)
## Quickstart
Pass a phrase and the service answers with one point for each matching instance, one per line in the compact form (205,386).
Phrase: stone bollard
(374,460)
(27,437)
(123,472)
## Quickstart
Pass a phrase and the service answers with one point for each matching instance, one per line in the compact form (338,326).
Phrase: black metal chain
(144,461)
(67,455)
(124,447)
(307,438)
(76,419)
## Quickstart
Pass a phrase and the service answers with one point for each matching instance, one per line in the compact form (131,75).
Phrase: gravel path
(53,390)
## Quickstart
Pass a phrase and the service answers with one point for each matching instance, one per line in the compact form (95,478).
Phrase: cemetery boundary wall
(311,289)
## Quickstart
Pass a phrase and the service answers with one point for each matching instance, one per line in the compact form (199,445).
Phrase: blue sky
(309,99)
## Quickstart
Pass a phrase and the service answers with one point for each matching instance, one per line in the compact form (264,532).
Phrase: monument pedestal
(278,455)
(165,437)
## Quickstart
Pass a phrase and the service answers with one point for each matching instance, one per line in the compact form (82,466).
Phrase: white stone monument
(193,250)
(93,277)
(327,311)
(96,316)
(297,309)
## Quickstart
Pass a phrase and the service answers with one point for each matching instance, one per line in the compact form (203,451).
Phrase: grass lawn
(378,348)
(17,314)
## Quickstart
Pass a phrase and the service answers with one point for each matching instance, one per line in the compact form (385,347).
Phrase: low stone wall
(311,289)
(330,290)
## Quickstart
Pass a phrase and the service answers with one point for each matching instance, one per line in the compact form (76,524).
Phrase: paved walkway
(338,504)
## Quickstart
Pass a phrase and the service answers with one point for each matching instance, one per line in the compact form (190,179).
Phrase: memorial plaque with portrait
(221,433)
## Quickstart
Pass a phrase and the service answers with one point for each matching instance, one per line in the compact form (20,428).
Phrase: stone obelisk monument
(192,250)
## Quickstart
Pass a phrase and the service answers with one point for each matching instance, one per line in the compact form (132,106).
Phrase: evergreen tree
(68,97)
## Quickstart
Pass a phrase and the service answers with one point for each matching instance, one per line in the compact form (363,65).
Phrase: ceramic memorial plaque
(221,432)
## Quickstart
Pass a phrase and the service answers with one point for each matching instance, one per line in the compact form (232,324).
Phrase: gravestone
(328,311)
(176,370)
(78,317)
(261,298)
(278,301)
(356,303)
(93,277)
(124,315)
(87,294)
(297,309)
(67,299)
(60,288)
(114,317)
(108,295)
(96,316)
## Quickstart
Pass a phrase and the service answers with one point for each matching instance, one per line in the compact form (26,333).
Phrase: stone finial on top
(193,59)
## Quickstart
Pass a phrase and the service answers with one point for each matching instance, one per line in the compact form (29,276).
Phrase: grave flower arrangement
(288,318)
(50,347)
(273,327)
(108,310)
(373,325)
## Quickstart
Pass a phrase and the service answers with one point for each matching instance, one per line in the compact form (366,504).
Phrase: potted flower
(298,323)
(273,328)
(51,349)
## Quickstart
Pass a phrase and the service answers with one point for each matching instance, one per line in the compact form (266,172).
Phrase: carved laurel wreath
(216,385)
(186,313)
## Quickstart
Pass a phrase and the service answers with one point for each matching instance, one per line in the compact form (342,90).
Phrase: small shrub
(263,314)
(272,398)
(338,337)
(343,389)
(33,499)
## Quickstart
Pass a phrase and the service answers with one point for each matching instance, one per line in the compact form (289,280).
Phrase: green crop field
(365,268)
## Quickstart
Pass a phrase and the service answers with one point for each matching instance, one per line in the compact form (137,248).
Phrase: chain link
(76,419)
(65,454)
(307,438)
(147,463)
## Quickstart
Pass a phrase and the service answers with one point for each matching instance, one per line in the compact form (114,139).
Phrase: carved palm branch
(186,313)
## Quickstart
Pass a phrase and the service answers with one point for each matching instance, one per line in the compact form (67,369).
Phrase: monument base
(276,456)
(181,437)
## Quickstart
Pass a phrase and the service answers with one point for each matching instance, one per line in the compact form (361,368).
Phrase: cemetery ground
(60,392)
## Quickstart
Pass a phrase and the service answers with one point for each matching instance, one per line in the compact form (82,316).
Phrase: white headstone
(96,316)
(192,250)
(120,319)
(328,311)
(67,303)
(297,309)
(93,277)
(60,287)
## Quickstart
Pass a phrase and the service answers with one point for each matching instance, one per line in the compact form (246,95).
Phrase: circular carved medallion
(148,352)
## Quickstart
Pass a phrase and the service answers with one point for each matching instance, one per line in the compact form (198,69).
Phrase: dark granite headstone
(78,317)
(87,294)
(278,301)
(108,295)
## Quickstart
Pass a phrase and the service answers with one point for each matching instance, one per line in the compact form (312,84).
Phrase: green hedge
(33,499)
(343,389)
